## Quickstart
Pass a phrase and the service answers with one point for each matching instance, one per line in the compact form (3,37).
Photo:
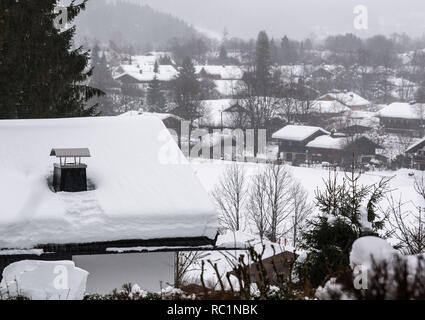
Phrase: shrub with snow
(43,280)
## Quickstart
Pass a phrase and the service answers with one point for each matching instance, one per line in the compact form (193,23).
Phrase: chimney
(69,175)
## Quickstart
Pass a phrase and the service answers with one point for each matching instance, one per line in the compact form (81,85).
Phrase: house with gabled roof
(350,99)
(403,117)
(292,141)
(142,195)
(342,150)
(417,154)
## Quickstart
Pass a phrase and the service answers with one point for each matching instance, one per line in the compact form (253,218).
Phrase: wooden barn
(403,118)
(341,150)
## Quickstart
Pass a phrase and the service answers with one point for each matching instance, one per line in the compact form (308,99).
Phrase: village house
(141,75)
(143,201)
(349,99)
(404,118)
(292,141)
(417,154)
(342,150)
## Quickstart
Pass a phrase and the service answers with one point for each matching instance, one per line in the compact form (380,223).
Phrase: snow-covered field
(209,173)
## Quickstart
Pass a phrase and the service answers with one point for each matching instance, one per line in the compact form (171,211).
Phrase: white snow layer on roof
(145,73)
(328,107)
(350,99)
(296,133)
(161,116)
(402,110)
(327,142)
(137,196)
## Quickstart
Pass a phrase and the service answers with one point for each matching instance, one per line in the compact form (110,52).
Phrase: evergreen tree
(102,80)
(187,92)
(263,64)
(348,212)
(42,75)
(155,97)
(223,54)
(156,67)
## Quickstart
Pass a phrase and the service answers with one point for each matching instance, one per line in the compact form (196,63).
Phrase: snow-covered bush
(378,271)
(43,280)
(348,212)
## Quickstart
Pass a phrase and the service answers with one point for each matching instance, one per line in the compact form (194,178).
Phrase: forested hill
(130,24)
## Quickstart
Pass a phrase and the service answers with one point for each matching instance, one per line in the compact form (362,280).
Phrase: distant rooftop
(297,133)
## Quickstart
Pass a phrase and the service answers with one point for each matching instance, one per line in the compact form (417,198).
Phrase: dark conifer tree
(155,97)
(263,64)
(187,92)
(348,212)
(42,75)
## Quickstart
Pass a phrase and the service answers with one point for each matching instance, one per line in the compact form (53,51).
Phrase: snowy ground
(210,172)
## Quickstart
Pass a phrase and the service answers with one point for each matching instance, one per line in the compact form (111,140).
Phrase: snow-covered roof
(224,72)
(161,116)
(297,133)
(328,107)
(327,142)
(139,192)
(144,73)
(415,146)
(350,99)
(402,110)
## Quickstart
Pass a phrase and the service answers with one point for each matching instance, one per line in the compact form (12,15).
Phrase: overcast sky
(296,18)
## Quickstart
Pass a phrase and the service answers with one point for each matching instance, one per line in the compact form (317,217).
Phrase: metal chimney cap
(70,152)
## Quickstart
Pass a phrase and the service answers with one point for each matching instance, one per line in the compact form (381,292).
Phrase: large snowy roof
(350,99)
(144,73)
(327,142)
(138,193)
(402,110)
(297,133)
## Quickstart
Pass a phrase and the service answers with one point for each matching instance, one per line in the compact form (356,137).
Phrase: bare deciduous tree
(409,229)
(278,184)
(257,204)
(229,196)
(184,262)
(270,202)
(301,209)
